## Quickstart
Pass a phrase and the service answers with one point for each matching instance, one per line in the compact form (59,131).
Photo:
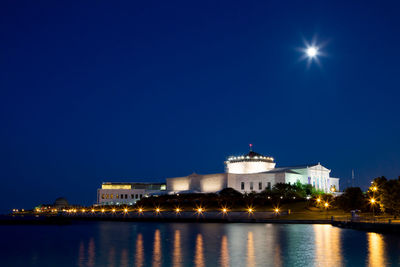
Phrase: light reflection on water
(115,244)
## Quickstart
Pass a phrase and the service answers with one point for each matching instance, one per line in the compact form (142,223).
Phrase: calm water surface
(190,244)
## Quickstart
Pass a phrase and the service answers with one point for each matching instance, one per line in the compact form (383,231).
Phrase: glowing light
(374,188)
(372,200)
(140,210)
(276,210)
(158,210)
(177,210)
(113,210)
(312,51)
(332,189)
(102,210)
(83,210)
(224,210)
(318,200)
(326,204)
(92,210)
(250,210)
(125,210)
(200,210)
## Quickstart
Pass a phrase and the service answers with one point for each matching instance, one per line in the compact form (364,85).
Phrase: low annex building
(254,172)
(127,193)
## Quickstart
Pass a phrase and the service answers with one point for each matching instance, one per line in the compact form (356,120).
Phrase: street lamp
(373,201)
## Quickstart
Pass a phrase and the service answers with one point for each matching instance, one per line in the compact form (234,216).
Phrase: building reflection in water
(177,253)
(250,250)
(139,258)
(327,245)
(199,256)
(224,260)
(376,250)
(91,253)
(157,249)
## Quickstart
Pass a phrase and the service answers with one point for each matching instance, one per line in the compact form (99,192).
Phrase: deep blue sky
(98,91)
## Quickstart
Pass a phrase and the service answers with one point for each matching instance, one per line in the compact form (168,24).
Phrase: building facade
(254,172)
(127,193)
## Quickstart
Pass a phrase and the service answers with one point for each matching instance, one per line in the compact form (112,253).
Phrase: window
(242,186)
(102,196)
(122,196)
(132,196)
(126,196)
(269,185)
(251,185)
(117,196)
(140,196)
(136,196)
(260,185)
(112,196)
(106,196)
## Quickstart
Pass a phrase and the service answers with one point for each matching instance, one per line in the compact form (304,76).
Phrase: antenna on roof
(251,147)
(352,178)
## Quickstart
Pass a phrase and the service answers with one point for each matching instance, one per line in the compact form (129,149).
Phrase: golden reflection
(199,256)
(157,249)
(124,258)
(91,253)
(376,250)
(177,254)
(250,250)
(81,257)
(327,245)
(139,251)
(224,252)
(111,257)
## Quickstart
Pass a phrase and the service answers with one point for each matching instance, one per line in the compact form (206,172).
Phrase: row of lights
(247,157)
(198,210)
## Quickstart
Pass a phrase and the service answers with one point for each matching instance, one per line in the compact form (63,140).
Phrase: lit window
(107,196)
(102,196)
(112,196)
(242,186)
(117,196)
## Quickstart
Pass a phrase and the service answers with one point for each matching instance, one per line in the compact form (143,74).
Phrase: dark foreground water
(191,244)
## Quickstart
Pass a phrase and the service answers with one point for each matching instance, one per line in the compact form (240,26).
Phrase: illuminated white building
(254,172)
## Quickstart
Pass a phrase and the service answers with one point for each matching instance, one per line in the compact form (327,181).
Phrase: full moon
(311,51)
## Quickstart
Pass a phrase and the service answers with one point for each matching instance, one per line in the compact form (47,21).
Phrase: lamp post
(373,201)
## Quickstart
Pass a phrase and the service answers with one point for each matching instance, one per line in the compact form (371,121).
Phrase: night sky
(97,91)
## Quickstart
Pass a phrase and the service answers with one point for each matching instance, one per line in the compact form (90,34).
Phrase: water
(190,244)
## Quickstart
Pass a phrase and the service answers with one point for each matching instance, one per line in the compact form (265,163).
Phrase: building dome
(61,203)
(251,162)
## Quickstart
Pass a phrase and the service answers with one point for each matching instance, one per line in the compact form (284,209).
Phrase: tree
(352,199)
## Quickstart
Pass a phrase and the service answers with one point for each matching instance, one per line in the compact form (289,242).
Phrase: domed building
(60,203)
(254,172)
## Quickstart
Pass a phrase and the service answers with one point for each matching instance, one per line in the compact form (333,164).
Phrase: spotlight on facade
(92,210)
(140,210)
(126,210)
(250,210)
(83,210)
(224,210)
(177,210)
(102,210)
(276,210)
(113,210)
(158,210)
